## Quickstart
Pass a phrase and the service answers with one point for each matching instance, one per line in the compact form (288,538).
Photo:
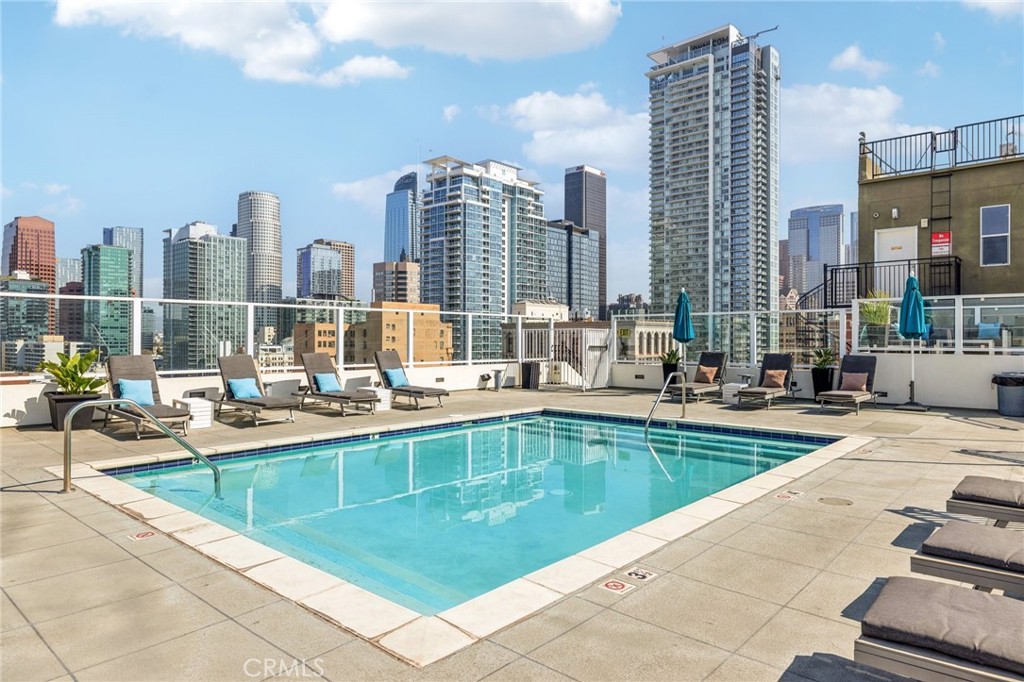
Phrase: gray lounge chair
(760,393)
(141,368)
(389,360)
(322,363)
(935,631)
(988,558)
(853,364)
(700,390)
(244,367)
(990,498)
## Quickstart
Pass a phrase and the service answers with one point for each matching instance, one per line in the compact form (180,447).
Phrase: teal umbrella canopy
(682,327)
(912,323)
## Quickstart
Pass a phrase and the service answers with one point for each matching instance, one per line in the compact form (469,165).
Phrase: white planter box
(383,393)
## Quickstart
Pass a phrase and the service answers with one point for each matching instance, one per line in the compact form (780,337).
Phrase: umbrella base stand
(912,406)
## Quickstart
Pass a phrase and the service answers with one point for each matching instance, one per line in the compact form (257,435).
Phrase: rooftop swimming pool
(434,517)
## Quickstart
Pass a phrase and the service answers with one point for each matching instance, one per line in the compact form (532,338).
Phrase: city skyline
(568,91)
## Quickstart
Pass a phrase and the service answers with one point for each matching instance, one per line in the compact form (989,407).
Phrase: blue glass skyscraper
(815,240)
(402,220)
(129,238)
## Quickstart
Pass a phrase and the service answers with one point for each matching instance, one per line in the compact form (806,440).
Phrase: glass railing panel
(196,334)
(993,324)
(801,332)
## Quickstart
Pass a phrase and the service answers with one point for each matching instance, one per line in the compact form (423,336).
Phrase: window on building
(995,235)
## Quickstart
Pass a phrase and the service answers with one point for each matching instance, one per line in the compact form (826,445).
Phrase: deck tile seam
(30,624)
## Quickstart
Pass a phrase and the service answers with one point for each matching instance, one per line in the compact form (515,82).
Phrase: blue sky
(155,114)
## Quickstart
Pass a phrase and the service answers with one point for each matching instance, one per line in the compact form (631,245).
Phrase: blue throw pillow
(139,390)
(988,330)
(396,377)
(244,388)
(327,382)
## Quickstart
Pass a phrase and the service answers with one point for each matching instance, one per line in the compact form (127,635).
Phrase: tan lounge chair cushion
(978,544)
(774,378)
(854,381)
(705,375)
(990,490)
(967,624)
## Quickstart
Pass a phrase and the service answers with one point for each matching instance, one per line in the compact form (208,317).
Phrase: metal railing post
(752,317)
(250,324)
(339,337)
(467,343)
(519,339)
(855,324)
(409,339)
(551,339)
(958,325)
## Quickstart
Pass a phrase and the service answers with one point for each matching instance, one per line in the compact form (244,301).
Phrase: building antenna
(767,30)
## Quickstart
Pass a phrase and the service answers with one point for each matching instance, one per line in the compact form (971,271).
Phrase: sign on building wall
(942,243)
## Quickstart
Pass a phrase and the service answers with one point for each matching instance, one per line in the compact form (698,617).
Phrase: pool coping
(414,638)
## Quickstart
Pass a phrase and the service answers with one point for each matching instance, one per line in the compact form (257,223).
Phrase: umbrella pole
(912,404)
(682,396)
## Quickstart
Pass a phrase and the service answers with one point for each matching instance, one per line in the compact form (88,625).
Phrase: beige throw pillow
(854,381)
(705,375)
(774,378)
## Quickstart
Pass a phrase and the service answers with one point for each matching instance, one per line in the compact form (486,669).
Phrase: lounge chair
(990,498)
(122,370)
(320,371)
(851,390)
(772,362)
(935,631)
(248,393)
(983,556)
(392,376)
(698,389)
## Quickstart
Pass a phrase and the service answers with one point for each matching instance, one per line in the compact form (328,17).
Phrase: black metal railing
(937,276)
(930,151)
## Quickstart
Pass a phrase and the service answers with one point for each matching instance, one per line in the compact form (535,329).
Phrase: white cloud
(580,128)
(938,42)
(823,121)
(930,69)
(852,59)
(54,188)
(5,192)
(269,39)
(478,30)
(997,8)
(450,112)
(628,242)
(370,192)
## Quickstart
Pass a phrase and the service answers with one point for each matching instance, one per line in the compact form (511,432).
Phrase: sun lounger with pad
(325,385)
(134,377)
(244,390)
(987,557)
(775,381)
(856,383)
(392,376)
(990,498)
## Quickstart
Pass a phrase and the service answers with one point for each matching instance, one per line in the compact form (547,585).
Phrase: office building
(815,241)
(402,220)
(851,255)
(22,319)
(347,276)
(67,270)
(259,224)
(318,272)
(629,304)
(131,239)
(398,282)
(201,265)
(106,272)
(29,246)
(714,168)
(484,246)
(574,254)
(71,312)
(586,205)
(784,276)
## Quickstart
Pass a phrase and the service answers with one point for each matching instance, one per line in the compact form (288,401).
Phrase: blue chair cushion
(989,330)
(139,390)
(396,377)
(244,388)
(327,382)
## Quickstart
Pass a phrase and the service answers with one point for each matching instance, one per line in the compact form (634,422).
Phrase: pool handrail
(661,395)
(110,402)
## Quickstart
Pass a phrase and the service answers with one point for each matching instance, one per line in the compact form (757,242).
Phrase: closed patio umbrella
(682,331)
(912,326)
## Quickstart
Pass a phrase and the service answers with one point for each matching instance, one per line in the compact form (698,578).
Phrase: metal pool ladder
(110,402)
(668,380)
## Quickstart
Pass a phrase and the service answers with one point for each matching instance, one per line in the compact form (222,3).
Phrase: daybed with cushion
(325,385)
(990,498)
(134,377)
(987,557)
(856,383)
(244,390)
(935,631)
(775,380)
(708,378)
(392,375)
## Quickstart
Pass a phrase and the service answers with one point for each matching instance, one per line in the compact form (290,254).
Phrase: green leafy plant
(876,312)
(670,357)
(69,373)
(824,357)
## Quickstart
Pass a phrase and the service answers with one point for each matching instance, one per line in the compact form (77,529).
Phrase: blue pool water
(434,519)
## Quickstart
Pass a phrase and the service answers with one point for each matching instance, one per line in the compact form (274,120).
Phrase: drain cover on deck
(835,501)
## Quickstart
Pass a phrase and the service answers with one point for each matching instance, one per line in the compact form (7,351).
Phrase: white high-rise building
(714,168)
(259,224)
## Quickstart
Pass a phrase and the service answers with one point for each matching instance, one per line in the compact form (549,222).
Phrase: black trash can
(531,375)
(1010,393)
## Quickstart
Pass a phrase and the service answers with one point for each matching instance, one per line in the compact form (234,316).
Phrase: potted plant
(875,316)
(669,363)
(74,388)
(823,369)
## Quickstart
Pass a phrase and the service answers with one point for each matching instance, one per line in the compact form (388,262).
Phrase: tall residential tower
(714,168)
(106,272)
(259,224)
(586,205)
(129,238)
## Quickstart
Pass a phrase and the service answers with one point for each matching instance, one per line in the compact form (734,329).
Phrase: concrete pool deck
(772,589)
